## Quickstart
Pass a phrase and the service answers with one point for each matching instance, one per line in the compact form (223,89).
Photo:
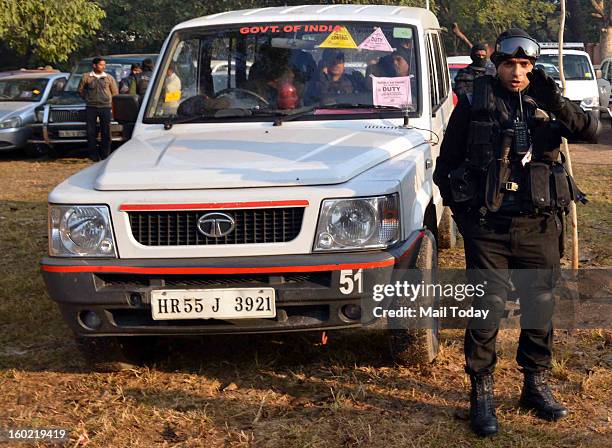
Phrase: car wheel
(447,230)
(36,150)
(114,354)
(417,346)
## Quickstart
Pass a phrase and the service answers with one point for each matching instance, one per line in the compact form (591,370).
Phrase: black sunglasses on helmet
(517,47)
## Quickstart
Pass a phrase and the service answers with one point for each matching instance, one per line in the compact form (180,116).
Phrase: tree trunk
(605,47)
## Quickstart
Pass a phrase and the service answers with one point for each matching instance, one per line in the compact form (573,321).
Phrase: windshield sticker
(587,75)
(402,33)
(290,28)
(376,41)
(391,91)
(26,94)
(339,38)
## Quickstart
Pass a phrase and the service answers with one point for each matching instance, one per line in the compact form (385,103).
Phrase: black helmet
(515,43)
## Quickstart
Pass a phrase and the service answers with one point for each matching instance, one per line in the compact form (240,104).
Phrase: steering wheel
(229,91)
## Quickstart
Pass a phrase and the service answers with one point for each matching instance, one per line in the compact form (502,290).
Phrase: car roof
(43,75)
(556,51)
(339,12)
(127,58)
(459,60)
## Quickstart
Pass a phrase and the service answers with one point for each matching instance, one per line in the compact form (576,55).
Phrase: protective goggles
(518,47)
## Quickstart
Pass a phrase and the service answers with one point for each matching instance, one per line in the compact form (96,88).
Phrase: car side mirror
(598,73)
(125,108)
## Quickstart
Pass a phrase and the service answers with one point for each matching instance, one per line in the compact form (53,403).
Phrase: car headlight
(40,115)
(80,231)
(591,101)
(14,122)
(358,223)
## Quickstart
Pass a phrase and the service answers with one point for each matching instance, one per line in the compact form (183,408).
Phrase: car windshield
(22,89)
(118,70)
(575,66)
(273,68)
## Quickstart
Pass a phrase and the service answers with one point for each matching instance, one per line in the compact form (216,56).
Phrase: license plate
(72,133)
(170,304)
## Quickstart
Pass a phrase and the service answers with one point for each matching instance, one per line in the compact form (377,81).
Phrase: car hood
(12,108)
(273,156)
(66,99)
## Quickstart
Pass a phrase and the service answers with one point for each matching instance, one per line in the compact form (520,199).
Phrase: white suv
(273,202)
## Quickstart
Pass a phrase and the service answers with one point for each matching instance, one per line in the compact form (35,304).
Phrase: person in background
(172,91)
(145,77)
(480,66)
(332,82)
(129,83)
(97,88)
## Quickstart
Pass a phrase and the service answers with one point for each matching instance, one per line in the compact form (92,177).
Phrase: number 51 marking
(348,280)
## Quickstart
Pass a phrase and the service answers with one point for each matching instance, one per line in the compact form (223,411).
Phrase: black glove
(545,91)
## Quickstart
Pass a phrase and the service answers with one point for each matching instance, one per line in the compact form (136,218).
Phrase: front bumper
(55,133)
(13,138)
(307,287)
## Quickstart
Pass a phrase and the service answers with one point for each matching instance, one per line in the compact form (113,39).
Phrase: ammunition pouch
(484,138)
(546,141)
(538,178)
(463,185)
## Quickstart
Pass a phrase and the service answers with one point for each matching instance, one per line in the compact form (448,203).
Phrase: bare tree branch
(457,32)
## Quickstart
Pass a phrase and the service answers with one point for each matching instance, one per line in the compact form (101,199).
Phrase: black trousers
(499,252)
(104,115)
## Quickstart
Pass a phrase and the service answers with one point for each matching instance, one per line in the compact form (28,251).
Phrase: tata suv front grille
(251,226)
(63,115)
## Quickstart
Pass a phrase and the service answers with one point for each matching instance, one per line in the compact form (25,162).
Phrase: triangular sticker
(376,41)
(340,38)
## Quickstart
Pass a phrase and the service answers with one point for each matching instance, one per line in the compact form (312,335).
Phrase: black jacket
(575,124)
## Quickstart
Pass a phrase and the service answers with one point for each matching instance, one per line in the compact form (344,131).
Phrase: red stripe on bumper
(258,270)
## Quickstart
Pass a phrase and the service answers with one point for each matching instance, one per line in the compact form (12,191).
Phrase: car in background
(27,71)
(20,95)
(456,63)
(60,123)
(580,80)
(606,73)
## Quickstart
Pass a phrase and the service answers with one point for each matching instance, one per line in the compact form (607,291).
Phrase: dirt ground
(286,390)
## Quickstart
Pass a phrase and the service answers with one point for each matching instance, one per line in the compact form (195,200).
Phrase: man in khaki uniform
(97,88)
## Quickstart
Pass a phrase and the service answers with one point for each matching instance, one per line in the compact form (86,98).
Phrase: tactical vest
(496,175)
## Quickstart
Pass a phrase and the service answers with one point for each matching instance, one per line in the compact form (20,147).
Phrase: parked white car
(259,208)
(580,81)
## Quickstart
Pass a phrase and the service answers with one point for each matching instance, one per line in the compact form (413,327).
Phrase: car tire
(447,230)
(419,346)
(36,150)
(116,353)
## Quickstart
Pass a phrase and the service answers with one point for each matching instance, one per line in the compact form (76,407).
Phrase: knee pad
(495,305)
(537,311)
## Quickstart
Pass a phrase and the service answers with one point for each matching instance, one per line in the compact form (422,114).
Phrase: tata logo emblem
(216,225)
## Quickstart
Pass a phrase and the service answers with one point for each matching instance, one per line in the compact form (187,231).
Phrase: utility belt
(545,188)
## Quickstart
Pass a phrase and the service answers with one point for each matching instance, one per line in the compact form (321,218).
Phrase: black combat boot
(482,409)
(537,396)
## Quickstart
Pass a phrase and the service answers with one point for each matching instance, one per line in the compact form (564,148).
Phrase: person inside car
(333,81)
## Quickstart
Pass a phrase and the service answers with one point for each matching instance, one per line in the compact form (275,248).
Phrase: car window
(575,66)
(22,89)
(433,84)
(441,69)
(57,87)
(282,66)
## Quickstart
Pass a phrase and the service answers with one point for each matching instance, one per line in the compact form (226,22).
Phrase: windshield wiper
(234,112)
(303,111)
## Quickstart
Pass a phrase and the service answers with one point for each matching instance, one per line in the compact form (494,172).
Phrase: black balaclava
(477,60)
